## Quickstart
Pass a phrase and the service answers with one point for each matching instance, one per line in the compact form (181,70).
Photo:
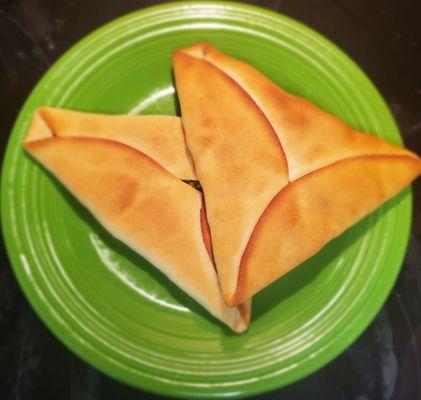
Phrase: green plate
(113,308)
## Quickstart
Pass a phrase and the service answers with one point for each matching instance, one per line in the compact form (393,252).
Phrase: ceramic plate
(119,313)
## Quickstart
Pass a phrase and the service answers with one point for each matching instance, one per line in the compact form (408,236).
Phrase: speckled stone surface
(384,38)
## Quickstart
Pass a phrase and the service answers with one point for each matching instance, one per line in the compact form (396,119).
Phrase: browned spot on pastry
(126,189)
(208,122)
(298,120)
(207,140)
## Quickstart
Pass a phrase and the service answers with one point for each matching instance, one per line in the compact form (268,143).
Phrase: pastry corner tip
(196,50)
(240,327)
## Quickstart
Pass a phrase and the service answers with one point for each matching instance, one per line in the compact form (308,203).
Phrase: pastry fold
(97,158)
(161,137)
(238,158)
(327,177)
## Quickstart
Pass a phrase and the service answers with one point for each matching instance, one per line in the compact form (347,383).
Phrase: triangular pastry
(329,175)
(136,200)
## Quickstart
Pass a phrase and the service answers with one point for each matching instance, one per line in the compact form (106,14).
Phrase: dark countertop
(384,38)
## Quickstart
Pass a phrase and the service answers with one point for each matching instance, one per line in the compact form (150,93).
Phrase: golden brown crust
(144,206)
(314,209)
(237,156)
(160,137)
(310,137)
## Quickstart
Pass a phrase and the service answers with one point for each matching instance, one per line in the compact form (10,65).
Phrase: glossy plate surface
(112,307)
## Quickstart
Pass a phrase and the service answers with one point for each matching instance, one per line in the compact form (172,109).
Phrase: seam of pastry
(237,297)
(34,143)
(32,131)
(188,153)
(205,49)
(31,143)
(260,111)
(43,112)
(409,155)
(44,119)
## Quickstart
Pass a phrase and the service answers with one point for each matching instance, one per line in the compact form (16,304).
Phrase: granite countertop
(384,38)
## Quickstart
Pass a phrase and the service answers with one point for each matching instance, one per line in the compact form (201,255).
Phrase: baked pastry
(135,198)
(327,177)
(161,137)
